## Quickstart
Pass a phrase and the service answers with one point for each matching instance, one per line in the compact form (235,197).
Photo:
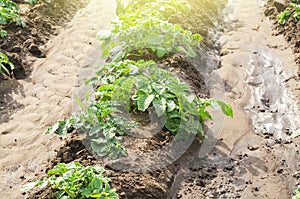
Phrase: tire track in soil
(47,97)
(253,158)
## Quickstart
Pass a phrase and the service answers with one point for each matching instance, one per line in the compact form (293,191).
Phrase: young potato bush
(136,86)
(102,126)
(142,31)
(293,10)
(73,181)
(140,85)
(9,13)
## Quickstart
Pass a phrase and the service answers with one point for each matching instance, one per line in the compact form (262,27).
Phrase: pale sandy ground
(48,97)
(256,66)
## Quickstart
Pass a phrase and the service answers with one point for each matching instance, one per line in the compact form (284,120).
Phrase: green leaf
(160,106)
(197,37)
(96,183)
(3,33)
(204,114)
(55,127)
(144,101)
(154,38)
(191,52)
(99,148)
(173,122)
(171,105)
(118,57)
(95,130)
(106,87)
(160,51)
(86,192)
(103,34)
(159,89)
(181,49)
(77,99)
(226,108)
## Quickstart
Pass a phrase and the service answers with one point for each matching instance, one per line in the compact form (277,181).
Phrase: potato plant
(74,181)
(103,128)
(141,85)
(9,13)
(146,30)
(136,86)
(293,10)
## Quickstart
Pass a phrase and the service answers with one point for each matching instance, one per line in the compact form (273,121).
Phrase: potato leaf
(103,34)
(144,101)
(226,108)
(160,106)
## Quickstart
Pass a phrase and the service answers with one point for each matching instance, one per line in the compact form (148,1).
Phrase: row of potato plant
(138,85)
(125,85)
(144,31)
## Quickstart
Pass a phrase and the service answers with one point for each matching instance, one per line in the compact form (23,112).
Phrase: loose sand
(47,96)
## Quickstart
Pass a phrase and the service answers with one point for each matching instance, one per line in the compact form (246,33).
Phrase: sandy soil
(46,96)
(253,158)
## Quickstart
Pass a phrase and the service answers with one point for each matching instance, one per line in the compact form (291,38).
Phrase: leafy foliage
(4,63)
(9,13)
(163,9)
(73,181)
(136,86)
(101,126)
(284,16)
(292,10)
(146,30)
(296,13)
(140,85)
